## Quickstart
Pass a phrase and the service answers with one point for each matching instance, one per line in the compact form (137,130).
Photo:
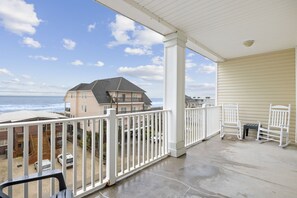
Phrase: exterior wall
(83,103)
(256,81)
(71,97)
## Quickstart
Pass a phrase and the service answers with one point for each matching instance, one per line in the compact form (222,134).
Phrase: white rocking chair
(230,119)
(278,125)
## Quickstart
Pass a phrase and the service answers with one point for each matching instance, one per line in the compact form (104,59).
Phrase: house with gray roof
(89,99)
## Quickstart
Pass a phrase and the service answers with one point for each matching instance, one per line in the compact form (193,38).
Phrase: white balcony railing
(201,123)
(144,140)
(105,148)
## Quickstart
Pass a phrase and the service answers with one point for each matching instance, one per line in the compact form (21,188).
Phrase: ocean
(44,103)
(18,103)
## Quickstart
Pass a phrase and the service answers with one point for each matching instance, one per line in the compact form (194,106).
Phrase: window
(105,109)
(123,109)
(85,108)
(3,142)
(134,109)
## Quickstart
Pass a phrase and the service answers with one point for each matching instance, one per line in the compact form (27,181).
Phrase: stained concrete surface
(216,168)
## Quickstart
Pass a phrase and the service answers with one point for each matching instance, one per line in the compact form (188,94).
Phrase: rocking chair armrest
(34,177)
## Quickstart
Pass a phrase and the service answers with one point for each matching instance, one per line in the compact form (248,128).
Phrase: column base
(177,149)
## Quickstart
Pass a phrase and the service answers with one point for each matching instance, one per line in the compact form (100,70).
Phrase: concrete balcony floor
(216,168)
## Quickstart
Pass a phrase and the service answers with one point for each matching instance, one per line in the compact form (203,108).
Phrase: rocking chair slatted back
(279,116)
(230,113)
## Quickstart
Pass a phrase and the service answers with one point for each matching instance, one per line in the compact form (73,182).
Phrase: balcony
(124,99)
(212,168)
(115,147)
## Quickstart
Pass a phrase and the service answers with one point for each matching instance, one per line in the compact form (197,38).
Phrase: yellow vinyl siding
(256,81)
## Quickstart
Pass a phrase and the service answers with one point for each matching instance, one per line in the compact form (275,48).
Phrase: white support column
(111,147)
(174,98)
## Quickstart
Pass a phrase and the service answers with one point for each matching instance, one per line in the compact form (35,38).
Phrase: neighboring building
(198,102)
(18,133)
(96,97)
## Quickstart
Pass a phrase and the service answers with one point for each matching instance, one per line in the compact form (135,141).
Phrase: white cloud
(189,79)
(190,54)
(145,72)
(99,64)
(30,42)
(201,87)
(26,76)
(18,17)
(4,71)
(45,58)
(77,63)
(91,27)
(137,51)
(126,32)
(208,69)
(158,60)
(120,28)
(190,64)
(69,44)
(23,87)
(146,37)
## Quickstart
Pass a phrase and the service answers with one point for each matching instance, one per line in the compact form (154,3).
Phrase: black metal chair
(63,191)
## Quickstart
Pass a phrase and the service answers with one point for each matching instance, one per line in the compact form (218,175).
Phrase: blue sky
(49,46)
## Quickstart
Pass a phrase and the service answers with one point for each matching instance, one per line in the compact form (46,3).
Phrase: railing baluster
(143,139)
(116,141)
(122,145)
(147,137)
(74,171)
(26,157)
(156,135)
(40,152)
(9,157)
(138,140)
(100,150)
(160,133)
(93,154)
(133,142)
(64,148)
(53,156)
(128,143)
(84,156)
(152,136)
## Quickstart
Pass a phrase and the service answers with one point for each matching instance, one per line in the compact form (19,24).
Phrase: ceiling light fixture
(248,43)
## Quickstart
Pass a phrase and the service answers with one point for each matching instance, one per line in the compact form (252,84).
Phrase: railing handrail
(142,113)
(208,107)
(29,123)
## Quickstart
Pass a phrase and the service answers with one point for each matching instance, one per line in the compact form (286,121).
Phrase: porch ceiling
(218,28)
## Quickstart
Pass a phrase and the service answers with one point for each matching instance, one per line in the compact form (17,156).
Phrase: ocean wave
(59,107)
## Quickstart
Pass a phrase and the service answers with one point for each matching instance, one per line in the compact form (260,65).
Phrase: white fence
(143,140)
(105,149)
(201,123)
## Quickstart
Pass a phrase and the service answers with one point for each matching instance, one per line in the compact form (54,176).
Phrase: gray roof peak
(100,88)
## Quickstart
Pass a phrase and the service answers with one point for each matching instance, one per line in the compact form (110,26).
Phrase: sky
(47,47)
